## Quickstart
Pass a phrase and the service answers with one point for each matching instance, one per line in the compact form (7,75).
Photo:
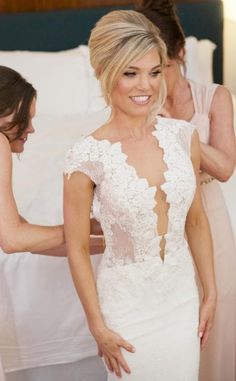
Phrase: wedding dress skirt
(154,306)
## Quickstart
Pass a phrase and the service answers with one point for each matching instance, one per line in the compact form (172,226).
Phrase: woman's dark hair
(16,96)
(162,14)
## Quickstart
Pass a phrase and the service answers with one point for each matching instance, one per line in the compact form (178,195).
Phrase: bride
(140,176)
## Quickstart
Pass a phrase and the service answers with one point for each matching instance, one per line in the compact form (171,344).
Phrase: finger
(206,335)
(204,340)
(115,366)
(124,364)
(100,352)
(108,363)
(201,328)
(129,347)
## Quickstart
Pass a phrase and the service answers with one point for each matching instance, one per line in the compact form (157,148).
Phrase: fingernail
(200,334)
(133,349)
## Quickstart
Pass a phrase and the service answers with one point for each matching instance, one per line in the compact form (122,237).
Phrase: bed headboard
(65,29)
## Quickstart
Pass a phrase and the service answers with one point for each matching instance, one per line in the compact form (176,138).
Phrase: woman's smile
(140,99)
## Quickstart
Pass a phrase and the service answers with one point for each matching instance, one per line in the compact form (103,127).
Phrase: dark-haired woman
(209,107)
(17,109)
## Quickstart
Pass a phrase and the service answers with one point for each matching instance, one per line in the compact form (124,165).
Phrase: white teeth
(142,99)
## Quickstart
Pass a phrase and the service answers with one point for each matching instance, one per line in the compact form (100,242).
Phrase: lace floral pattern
(124,203)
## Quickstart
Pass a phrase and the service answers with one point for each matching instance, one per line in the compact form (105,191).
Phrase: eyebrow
(137,68)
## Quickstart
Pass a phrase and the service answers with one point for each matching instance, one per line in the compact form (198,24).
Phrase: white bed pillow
(96,100)
(199,59)
(205,60)
(191,59)
(59,77)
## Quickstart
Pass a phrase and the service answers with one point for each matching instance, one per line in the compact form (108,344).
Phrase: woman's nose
(143,83)
(30,129)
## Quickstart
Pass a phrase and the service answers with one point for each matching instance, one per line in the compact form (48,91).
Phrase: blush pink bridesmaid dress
(218,360)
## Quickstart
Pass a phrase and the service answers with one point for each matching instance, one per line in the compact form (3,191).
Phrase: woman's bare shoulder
(221,96)
(222,106)
(6,160)
(101,133)
(5,149)
(3,139)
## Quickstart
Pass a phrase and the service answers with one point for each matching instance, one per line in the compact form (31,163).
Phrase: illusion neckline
(119,141)
(131,167)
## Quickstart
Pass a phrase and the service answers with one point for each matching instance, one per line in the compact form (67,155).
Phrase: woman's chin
(17,147)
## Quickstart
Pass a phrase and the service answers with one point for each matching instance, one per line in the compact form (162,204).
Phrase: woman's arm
(78,196)
(199,238)
(218,158)
(16,235)
(96,246)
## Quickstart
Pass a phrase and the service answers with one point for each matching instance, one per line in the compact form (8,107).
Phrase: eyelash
(132,74)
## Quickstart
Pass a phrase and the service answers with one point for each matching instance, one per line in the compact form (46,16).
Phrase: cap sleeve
(84,157)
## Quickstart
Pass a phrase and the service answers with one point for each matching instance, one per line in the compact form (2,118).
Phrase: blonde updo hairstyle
(119,38)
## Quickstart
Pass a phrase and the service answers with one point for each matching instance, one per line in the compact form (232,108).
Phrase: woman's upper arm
(9,216)
(222,135)
(78,196)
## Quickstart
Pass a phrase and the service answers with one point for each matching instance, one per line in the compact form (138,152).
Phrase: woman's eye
(155,73)
(129,74)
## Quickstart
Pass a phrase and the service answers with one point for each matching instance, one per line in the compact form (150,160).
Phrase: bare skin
(199,239)
(16,234)
(218,158)
(132,99)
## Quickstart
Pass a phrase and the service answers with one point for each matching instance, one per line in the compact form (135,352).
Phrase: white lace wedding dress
(145,283)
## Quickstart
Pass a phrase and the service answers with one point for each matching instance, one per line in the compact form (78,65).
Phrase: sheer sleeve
(84,157)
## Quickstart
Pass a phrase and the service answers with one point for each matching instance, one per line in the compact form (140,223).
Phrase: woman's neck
(176,91)
(127,126)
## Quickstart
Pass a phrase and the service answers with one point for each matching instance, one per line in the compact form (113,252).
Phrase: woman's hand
(207,313)
(109,347)
(95,227)
(96,244)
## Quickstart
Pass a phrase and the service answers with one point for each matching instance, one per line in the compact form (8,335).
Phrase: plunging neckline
(120,192)
(152,189)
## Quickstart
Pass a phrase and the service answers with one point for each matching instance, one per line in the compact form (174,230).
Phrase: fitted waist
(175,252)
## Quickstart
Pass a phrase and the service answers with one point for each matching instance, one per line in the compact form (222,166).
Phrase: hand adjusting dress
(146,284)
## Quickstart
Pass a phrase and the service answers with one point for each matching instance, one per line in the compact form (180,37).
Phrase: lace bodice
(125,204)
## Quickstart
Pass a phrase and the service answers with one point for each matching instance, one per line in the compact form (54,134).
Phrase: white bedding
(42,315)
